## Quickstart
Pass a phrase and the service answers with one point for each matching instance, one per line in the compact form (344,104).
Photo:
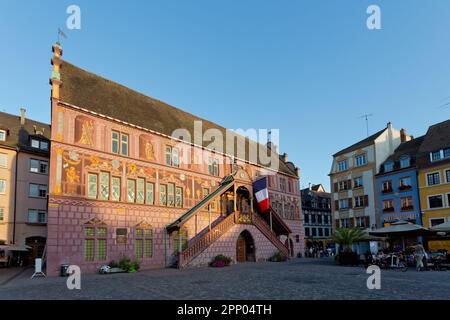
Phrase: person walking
(419,253)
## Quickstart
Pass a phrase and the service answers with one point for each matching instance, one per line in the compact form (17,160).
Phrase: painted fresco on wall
(84,131)
(146,148)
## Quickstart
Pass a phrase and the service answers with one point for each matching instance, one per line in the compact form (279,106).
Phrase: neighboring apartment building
(118,185)
(434,179)
(24,168)
(317,219)
(352,178)
(397,186)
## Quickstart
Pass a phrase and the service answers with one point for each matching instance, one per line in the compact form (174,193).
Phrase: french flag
(262,194)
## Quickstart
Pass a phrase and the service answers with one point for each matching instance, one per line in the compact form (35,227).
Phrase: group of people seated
(415,256)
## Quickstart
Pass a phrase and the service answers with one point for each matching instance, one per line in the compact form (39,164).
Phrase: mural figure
(72,179)
(87,132)
(149,153)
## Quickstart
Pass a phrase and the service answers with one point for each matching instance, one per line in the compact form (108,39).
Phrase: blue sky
(309,68)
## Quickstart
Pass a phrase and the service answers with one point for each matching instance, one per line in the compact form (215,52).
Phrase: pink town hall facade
(119,188)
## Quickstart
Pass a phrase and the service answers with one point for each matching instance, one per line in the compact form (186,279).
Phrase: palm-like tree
(345,237)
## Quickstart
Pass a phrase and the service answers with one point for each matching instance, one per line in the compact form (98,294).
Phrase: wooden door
(241,254)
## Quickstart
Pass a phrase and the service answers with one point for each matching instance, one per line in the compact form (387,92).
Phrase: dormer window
(360,160)
(389,166)
(405,161)
(39,144)
(2,135)
(342,165)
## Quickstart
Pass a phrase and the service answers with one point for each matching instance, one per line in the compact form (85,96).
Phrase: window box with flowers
(385,191)
(407,208)
(391,209)
(404,187)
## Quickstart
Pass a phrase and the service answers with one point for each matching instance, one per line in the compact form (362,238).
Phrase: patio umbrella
(14,247)
(443,227)
(401,228)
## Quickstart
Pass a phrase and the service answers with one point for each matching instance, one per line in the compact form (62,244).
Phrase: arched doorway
(290,245)
(245,247)
(37,245)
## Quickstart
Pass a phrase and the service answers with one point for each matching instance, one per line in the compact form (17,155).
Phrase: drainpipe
(15,195)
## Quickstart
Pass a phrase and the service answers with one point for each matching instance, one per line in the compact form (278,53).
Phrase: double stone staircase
(207,237)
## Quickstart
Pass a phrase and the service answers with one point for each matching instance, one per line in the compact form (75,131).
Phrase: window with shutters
(359,202)
(343,204)
(345,185)
(386,186)
(407,203)
(388,205)
(358,182)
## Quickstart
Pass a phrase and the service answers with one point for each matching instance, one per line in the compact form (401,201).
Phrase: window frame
(355,186)
(133,181)
(89,183)
(148,192)
(436,195)
(402,160)
(115,187)
(438,173)
(3,183)
(162,201)
(103,185)
(40,188)
(140,189)
(37,212)
(4,135)
(5,156)
(362,156)
(345,167)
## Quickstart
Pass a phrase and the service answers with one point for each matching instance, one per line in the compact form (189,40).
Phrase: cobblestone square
(317,279)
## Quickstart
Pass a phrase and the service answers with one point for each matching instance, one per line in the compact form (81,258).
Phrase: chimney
(284,157)
(389,125)
(22,116)
(402,135)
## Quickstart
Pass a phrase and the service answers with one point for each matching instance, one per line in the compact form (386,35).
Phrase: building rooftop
(361,144)
(437,137)
(18,135)
(410,148)
(92,92)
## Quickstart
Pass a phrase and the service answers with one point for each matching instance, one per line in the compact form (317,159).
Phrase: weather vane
(61,34)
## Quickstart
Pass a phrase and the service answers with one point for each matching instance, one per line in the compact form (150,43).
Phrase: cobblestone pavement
(297,279)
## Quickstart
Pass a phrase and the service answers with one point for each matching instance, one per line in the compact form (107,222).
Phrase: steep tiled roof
(360,144)
(410,148)
(92,92)
(18,135)
(437,137)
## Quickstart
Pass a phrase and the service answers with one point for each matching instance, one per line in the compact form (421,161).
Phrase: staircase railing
(265,229)
(202,241)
